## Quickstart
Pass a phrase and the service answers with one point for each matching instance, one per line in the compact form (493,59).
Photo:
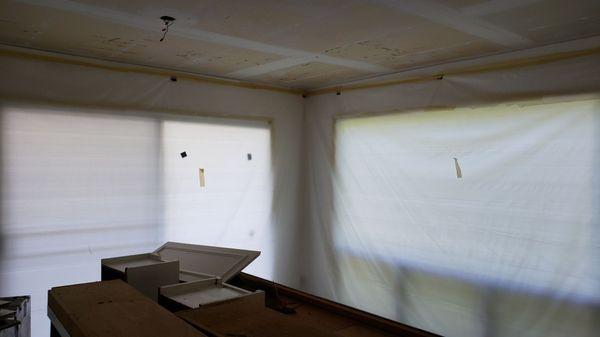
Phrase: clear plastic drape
(477,221)
(79,185)
(464,206)
(231,206)
(443,219)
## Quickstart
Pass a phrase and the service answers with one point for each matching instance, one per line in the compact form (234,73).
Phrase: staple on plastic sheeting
(202,180)
(183,154)
(249,156)
(458,170)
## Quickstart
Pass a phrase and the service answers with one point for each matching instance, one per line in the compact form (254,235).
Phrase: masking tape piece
(202,180)
(458,170)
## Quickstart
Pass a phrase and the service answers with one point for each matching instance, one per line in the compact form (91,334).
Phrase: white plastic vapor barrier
(81,185)
(472,221)
(220,192)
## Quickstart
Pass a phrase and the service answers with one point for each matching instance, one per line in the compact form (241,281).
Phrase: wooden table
(248,317)
(111,309)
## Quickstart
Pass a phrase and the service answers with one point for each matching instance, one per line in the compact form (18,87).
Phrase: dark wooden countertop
(113,309)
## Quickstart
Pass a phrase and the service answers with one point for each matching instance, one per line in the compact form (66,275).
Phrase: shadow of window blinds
(507,243)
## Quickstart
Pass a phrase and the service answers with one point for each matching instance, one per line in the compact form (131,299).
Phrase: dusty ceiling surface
(293,43)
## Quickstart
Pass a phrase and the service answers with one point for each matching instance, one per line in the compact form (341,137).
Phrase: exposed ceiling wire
(168,21)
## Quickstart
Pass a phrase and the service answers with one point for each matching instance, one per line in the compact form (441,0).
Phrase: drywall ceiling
(302,44)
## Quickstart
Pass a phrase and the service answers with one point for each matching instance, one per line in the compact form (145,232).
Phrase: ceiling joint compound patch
(447,16)
(140,22)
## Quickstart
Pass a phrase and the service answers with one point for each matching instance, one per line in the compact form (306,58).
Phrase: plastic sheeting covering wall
(231,205)
(509,248)
(76,188)
(500,197)
(92,168)
(81,186)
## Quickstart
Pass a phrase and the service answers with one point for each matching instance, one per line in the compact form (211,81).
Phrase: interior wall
(321,274)
(42,81)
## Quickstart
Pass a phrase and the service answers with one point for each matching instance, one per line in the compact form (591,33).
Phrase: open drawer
(201,293)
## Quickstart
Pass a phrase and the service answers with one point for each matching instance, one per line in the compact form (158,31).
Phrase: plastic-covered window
(78,186)
(456,220)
